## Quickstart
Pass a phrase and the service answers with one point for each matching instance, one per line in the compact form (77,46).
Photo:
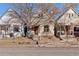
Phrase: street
(39,51)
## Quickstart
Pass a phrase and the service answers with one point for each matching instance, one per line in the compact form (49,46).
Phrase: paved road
(39,51)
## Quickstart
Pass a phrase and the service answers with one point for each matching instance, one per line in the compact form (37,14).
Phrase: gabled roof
(66,11)
(60,19)
(10,15)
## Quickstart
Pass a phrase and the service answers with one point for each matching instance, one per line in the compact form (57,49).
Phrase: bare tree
(69,5)
(26,12)
(50,9)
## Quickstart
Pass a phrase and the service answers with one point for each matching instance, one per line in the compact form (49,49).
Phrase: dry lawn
(46,41)
(20,41)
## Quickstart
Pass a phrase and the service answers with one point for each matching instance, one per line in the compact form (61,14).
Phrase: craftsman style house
(10,24)
(69,23)
(43,26)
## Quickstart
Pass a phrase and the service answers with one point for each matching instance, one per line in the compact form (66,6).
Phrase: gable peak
(10,10)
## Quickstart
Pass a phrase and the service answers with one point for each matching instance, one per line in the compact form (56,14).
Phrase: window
(40,15)
(16,29)
(76,29)
(4,27)
(70,15)
(46,28)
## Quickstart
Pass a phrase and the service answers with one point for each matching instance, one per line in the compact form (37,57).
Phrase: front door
(67,29)
(35,29)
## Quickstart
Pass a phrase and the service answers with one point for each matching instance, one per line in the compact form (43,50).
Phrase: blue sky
(5,6)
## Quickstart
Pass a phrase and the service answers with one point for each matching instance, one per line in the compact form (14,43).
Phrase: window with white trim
(46,28)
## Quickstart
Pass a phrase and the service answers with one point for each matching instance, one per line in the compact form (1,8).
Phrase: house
(11,24)
(68,21)
(43,26)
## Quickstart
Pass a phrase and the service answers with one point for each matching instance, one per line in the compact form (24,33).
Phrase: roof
(42,21)
(64,19)
(9,17)
(10,10)
(65,12)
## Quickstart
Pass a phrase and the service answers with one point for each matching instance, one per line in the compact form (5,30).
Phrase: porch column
(41,30)
(51,27)
(73,30)
(22,29)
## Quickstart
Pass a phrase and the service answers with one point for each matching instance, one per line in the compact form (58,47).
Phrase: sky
(5,6)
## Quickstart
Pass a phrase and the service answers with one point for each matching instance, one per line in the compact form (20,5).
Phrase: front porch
(7,30)
(65,32)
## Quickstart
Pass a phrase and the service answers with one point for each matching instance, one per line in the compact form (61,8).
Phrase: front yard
(43,42)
